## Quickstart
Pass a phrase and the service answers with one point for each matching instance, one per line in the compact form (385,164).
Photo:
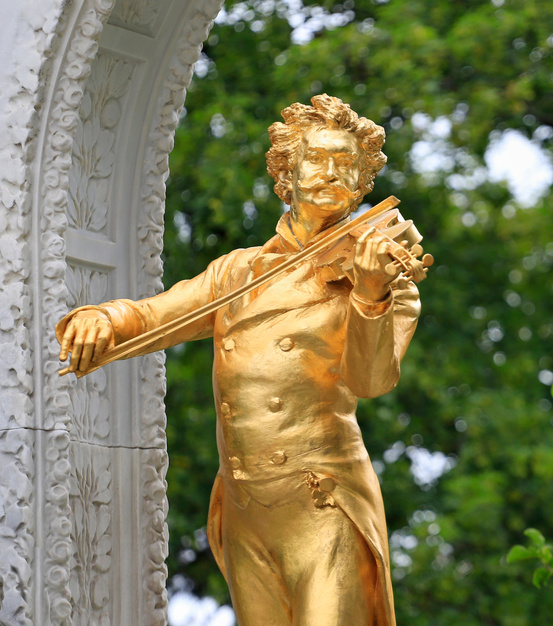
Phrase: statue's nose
(330,172)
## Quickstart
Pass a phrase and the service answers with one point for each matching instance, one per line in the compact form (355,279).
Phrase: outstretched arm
(88,331)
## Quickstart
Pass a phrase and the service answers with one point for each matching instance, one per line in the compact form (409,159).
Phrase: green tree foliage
(538,549)
(445,78)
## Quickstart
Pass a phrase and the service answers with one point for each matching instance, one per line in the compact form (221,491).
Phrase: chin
(332,209)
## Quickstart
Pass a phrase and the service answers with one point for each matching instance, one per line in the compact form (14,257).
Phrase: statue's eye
(315,158)
(345,162)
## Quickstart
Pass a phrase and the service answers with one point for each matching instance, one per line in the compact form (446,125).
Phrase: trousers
(296,563)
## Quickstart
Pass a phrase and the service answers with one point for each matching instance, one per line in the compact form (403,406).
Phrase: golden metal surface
(302,327)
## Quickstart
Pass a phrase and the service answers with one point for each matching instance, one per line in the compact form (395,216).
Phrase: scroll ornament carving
(90,499)
(93,155)
(57,520)
(16,513)
(56,162)
(155,535)
(21,96)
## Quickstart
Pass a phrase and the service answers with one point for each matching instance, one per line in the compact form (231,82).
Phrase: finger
(382,252)
(374,255)
(78,343)
(68,336)
(89,346)
(104,337)
(366,235)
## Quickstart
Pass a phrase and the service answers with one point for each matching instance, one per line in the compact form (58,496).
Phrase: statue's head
(327,113)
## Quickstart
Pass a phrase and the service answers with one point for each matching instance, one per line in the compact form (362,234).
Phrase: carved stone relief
(16,513)
(57,524)
(139,15)
(85,285)
(155,535)
(89,395)
(91,534)
(52,217)
(150,218)
(93,146)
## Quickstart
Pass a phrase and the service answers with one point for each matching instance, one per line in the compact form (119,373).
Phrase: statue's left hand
(372,282)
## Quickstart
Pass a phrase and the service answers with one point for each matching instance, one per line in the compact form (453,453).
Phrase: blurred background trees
(464,446)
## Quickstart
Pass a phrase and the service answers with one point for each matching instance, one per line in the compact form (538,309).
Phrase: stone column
(90,97)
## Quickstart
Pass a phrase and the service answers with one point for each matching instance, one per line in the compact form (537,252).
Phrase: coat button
(327,485)
(234,462)
(286,344)
(275,404)
(229,344)
(225,409)
(278,458)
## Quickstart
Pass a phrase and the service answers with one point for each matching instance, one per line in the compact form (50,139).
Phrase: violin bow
(139,343)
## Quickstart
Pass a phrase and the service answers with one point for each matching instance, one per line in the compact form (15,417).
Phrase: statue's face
(325,178)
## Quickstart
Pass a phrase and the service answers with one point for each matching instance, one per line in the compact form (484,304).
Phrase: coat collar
(280,247)
(287,238)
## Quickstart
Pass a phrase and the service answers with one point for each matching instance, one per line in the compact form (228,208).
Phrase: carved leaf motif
(93,147)
(99,593)
(89,395)
(85,285)
(103,523)
(102,487)
(91,410)
(138,12)
(91,498)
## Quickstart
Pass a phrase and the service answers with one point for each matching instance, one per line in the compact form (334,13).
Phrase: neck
(306,229)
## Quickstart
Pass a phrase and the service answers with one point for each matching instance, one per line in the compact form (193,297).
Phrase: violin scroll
(406,261)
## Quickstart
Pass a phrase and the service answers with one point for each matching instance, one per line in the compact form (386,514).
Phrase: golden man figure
(296,520)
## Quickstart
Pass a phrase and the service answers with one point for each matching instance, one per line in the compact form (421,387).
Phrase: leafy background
(463,447)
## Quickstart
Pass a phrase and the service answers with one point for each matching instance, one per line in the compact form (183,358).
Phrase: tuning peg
(392,268)
(402,282)
(416,250)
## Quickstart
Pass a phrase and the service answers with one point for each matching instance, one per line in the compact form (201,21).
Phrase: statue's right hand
(86,336)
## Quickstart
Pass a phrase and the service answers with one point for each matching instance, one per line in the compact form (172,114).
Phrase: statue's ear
(285,179)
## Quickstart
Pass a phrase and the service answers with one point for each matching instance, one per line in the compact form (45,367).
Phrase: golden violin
(404,248)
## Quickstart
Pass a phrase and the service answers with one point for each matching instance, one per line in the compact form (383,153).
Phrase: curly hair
(328,112)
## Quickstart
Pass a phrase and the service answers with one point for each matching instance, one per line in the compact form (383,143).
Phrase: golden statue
(303,326)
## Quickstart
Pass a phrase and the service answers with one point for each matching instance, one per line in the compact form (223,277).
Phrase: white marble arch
(90,95)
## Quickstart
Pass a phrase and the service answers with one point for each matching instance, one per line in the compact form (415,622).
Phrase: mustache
(320,183)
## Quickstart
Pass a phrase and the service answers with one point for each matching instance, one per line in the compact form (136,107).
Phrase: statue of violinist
(296,519)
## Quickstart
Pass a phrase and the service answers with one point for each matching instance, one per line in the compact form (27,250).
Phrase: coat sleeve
(132,318)
(377,337)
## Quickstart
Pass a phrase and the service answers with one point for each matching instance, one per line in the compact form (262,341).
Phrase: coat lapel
(297,289)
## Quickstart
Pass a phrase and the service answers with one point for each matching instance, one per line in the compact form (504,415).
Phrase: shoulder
(237,258)
(230,267)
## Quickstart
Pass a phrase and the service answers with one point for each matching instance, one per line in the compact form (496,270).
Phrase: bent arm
(377,337)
